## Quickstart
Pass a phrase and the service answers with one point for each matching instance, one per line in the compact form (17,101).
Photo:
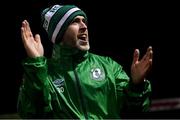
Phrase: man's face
(76,35)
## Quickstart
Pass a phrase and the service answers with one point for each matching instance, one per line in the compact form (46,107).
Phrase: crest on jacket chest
(97,74)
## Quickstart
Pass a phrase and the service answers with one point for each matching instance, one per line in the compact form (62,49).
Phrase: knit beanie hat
(57,18)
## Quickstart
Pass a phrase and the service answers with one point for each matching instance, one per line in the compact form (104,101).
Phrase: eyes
(78,20)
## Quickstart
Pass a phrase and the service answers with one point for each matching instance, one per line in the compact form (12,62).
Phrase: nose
(83,25)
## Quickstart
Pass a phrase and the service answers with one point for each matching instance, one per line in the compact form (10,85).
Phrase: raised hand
(32,44)
(139,69)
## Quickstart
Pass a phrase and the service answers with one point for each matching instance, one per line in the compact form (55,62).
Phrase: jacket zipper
(80,94)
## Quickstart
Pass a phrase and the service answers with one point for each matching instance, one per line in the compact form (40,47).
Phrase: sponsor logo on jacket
(59,83)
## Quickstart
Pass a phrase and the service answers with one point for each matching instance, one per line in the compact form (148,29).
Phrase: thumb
(136,56)
(37,38)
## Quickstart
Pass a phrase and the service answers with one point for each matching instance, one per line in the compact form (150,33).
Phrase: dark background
(115,28)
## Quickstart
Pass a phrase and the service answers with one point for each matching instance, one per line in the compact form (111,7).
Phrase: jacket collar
(67,55)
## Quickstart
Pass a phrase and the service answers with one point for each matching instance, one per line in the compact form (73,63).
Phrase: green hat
(57,18)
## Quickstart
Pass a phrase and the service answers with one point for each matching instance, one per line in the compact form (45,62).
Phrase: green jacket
(78,85)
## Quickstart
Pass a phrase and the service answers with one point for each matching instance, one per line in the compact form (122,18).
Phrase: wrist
(137,86)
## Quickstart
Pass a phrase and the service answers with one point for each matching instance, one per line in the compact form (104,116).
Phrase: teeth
(83,38)
(82,35)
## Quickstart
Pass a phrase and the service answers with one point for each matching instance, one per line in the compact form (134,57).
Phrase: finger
(23,36)
(148,66)
(37,38)
(28,26)
(28,32)
(150,52)
(146,56)
(150,57)
(149,48)
(136,56)
(148,62)
(24,29)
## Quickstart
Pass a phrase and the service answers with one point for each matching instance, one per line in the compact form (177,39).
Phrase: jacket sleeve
(131,98)
(34,100)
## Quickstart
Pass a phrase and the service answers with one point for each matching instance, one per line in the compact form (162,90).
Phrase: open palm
(32,44)
(139,69)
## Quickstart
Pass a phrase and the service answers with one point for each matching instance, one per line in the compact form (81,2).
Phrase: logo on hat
(49,15)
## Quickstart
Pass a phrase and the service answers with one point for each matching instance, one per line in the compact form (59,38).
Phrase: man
(75,83)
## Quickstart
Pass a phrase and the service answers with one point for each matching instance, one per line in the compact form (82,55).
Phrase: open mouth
(82,37)
(82,40)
